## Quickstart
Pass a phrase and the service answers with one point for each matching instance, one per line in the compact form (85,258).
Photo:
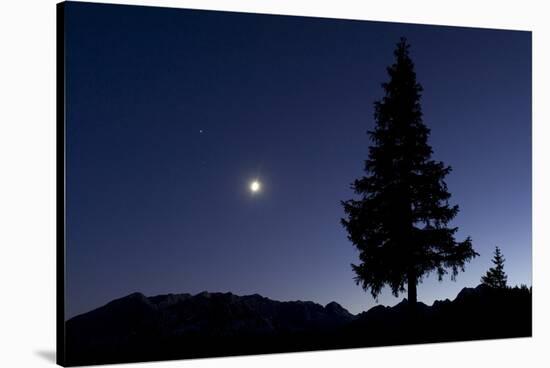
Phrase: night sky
(172,113)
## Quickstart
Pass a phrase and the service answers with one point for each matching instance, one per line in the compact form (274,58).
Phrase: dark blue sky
(157,206)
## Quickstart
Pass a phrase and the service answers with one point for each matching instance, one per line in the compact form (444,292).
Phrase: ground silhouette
(176,326)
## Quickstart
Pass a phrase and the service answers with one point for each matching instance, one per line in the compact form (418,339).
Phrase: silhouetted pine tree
(495,277)
(400,223)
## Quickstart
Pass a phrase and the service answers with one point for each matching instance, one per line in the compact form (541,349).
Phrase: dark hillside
(176,326)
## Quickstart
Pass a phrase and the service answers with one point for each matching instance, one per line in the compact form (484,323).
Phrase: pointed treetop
(496,277)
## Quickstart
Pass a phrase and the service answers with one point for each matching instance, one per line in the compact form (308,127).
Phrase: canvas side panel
(60,178)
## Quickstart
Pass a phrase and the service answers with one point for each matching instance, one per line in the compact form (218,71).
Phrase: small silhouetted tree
(496,277)
(400,222)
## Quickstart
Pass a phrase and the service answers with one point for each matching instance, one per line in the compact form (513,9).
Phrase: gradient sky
(171,113)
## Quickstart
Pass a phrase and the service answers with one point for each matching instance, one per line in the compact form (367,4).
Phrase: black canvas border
(60,184)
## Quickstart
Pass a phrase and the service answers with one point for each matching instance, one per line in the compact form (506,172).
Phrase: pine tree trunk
(411,321)
(411,289)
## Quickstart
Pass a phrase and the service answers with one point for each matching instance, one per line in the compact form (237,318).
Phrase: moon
(255,186)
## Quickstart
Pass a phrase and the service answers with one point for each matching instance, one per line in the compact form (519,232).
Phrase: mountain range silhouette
(175,326)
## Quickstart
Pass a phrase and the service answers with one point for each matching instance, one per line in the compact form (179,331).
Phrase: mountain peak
(336,309)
